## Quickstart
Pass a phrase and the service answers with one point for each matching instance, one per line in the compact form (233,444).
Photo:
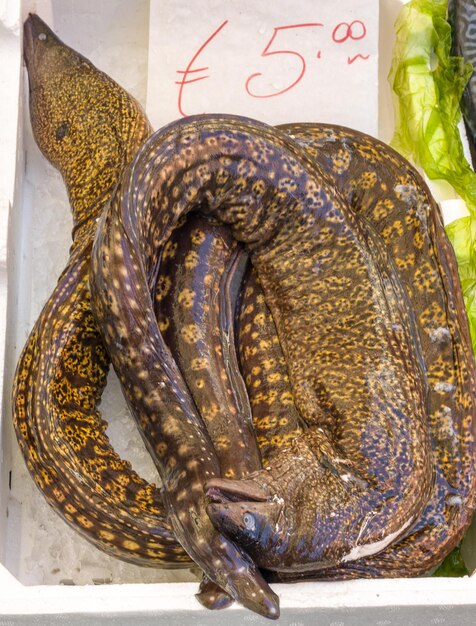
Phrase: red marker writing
(189,70)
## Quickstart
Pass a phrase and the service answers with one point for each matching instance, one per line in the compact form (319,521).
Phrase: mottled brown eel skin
(312,257)
(89,128)
(386,192)
(201,271)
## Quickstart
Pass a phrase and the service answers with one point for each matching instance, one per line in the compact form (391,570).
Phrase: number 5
(266,53)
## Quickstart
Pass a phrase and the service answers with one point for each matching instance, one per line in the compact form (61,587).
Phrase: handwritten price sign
(274,60)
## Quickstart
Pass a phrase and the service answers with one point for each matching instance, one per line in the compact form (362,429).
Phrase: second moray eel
(89,128)
(305,245)
(387,193)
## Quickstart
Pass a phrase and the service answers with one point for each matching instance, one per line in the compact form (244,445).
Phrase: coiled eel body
(89,128)
(386,191)
(277,202)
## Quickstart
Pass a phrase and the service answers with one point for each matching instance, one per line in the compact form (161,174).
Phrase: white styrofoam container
(48,574)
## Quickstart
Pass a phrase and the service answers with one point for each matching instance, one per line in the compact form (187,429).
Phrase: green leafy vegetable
(462,234)
(429,82)
(453,565)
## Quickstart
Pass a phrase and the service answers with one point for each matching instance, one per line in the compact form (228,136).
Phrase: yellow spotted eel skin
(312,258)
(89,128)
(200,276)
(387,193)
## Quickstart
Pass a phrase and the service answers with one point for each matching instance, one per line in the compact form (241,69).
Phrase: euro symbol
(190,70)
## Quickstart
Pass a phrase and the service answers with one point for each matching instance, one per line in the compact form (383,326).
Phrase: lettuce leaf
(462,234)
(453,566)
(428,83)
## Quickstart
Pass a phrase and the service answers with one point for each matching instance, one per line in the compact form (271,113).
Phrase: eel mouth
(222,491)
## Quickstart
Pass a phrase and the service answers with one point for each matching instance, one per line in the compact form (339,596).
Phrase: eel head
(84,123)
(299,513)
(250,515)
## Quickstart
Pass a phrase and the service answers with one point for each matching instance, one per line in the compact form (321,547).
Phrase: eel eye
(249,521)
(62,131)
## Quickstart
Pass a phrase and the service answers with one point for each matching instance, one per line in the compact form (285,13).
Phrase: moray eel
(156,391)
(387,193)
(311,256)
(89,128)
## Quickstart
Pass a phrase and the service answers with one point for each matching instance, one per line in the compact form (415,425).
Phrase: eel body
(89,128)
(386,192)
(310,255)
(200,276)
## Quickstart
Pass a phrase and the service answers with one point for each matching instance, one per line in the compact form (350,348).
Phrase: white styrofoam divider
(10,157)
(37,550)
